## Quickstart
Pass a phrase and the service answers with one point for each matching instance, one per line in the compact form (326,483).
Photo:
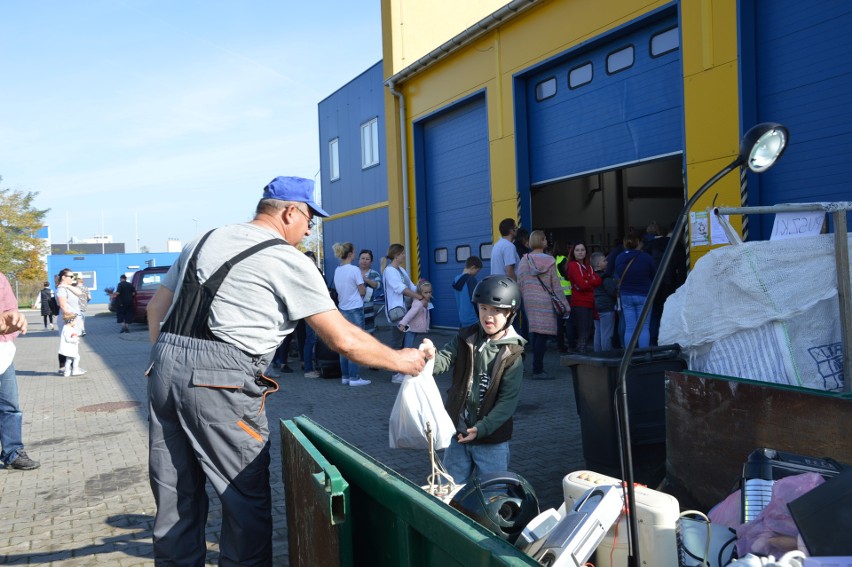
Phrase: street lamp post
(760,148)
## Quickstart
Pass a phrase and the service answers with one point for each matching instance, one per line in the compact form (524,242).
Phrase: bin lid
(613,357)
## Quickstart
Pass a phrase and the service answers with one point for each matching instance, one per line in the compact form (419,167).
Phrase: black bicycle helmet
(499,291)
(502,502)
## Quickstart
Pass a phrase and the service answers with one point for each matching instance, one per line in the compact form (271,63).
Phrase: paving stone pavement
(90,503)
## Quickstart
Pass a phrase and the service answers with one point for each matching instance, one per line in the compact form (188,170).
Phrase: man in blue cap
(225,305)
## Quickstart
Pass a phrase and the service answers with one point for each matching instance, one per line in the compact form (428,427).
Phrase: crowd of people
(223,319)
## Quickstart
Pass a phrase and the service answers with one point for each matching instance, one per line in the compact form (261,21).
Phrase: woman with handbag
(634,272)
(543,299)
(583,280)
(399,291)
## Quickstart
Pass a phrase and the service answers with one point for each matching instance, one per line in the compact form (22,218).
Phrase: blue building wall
(100,271)
(357,200)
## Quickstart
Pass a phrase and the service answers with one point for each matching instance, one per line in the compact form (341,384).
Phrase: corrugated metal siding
(341,116)
(803,54)
(626,117)
(454,204)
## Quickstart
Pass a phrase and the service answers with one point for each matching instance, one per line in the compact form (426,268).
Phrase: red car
(146,282)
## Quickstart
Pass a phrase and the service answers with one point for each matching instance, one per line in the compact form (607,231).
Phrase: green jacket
(469,354)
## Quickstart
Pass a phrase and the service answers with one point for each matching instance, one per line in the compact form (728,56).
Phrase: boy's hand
(428,348)
(471,435)
(411,361)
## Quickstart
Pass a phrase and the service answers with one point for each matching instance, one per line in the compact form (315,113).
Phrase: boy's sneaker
(23,462)
(61,371)
(397,378)
(78,372)
(344,381)
(359,382)
(312,374)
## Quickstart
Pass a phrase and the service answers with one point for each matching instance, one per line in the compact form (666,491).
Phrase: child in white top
(69,346)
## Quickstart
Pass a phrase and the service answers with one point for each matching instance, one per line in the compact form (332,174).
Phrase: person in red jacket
(583,280)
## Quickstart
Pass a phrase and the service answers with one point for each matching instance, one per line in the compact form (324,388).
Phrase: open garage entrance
(599,209)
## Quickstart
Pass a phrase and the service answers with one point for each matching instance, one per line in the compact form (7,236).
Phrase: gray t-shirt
(262,297)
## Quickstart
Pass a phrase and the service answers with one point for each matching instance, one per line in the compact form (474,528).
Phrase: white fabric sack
(763,310)
(418,403)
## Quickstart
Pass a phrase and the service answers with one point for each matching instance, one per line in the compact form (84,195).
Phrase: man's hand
(411,361)
(12,321)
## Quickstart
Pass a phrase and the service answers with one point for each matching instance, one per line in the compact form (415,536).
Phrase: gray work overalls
(206,421)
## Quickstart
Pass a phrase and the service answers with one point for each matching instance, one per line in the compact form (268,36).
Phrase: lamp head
(762,145)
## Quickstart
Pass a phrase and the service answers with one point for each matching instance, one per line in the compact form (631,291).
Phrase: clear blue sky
(168,111)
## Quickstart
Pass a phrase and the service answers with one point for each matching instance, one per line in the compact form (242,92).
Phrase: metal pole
(844,293)
(624,421)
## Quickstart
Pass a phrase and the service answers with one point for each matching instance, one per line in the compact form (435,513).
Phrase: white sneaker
(78,372)
(344,381)
(50,326)
(359,382)
(397,378)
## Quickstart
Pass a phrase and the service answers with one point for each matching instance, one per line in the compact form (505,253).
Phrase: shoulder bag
(398,313)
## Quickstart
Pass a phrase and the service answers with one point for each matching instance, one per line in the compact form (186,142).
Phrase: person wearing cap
(225,305)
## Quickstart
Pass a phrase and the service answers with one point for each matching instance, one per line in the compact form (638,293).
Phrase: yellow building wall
(416,27)
(711,108)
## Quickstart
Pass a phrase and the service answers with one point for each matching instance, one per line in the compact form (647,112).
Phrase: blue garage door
(454,198)
(609,105)
(803,79)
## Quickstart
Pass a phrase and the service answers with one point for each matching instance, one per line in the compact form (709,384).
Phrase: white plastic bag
(418,403)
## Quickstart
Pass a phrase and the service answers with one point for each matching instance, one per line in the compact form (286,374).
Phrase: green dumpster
(345,508)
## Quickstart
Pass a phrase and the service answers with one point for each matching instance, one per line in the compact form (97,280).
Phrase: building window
(579,76)
(370,143)
(485,251)
(665,42)
(462,253)
(545,89)
(441,255)
(333,160)
(619,60)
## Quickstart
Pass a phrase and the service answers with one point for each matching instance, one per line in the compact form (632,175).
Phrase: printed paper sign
(717,233)
(700,228)
(795,225)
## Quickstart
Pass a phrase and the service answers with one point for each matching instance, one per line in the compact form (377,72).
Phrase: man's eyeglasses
(311,222)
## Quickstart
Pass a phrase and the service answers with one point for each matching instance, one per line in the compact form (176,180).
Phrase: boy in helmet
(487,374)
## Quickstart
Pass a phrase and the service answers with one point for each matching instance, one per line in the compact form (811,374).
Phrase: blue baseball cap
(293,189)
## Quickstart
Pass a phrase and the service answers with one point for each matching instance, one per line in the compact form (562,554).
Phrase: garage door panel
(454,178)
(628,116)
(803,58)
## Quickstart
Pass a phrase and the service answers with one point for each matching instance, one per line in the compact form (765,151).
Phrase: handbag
(419,406)
(396,314)
(54,306)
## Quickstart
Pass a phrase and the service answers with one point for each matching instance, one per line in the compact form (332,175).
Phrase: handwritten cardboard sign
(795,225)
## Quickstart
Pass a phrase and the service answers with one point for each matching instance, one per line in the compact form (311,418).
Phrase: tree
(20,249)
